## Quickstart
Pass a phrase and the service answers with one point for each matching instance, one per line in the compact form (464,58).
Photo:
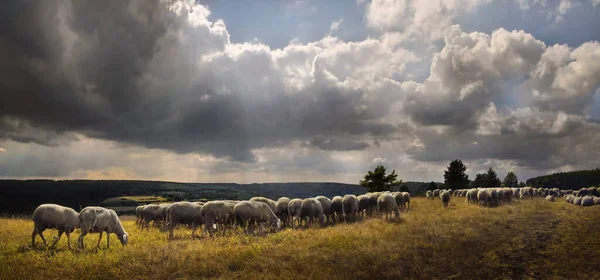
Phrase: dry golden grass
(526,240)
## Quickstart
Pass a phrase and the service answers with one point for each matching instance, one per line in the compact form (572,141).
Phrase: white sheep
(184,213)
(550,198)
(350,207)
(52,216)
(445,196)
(386,204)
(251,213)
(406,200)
(98,219)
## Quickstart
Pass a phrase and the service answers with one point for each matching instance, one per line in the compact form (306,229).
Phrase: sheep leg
(107,240)
(33,234)
(80,239)
(100,238)
(43,238)
(68,239)
(60,233)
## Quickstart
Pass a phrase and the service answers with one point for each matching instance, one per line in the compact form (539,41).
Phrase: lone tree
(522,184)
(511,181)
(455,177)
(377,180)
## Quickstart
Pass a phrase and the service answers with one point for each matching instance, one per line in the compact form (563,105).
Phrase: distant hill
(23,196)
(567,180)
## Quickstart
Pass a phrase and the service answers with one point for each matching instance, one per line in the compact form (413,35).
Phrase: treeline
(567,180)
(23,196)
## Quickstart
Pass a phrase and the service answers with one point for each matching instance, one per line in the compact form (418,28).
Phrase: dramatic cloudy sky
(257,91)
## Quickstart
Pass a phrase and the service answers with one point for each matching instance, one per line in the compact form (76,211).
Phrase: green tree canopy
(455,177)
(511,181)
(521,184)
(432,186)
(377,180)
(492,179)
(480,181)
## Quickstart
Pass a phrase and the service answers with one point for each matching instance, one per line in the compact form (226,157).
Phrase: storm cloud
(165,77)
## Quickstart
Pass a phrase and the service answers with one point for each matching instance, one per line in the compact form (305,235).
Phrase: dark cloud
(131,71)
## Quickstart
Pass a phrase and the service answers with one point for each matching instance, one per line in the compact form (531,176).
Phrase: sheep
(282,210)
(311,210)
(184,213)
(596,200)
(406,200)
(493,199)
(386,204)
(399,197)
(436,193)
(272,204)
(550,198)
(52,216)
(445,196)
(294,208)
(251,213)
(337,207)
(363,204)
(151,212)
(164,208)
(429,194)
(372,203)
(326,205)
(138,214)
(350,207)
(483,197)
(217,212)
(587,201)
(576,200)
(98,219)
(471,196)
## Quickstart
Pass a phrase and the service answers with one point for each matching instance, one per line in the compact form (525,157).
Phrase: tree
(432,186)
(404,188)
(511,181)
(455,177)
(377,180)
(492,180)
(480,181)
(521,184)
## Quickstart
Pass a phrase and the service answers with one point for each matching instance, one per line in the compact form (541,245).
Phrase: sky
(280,91)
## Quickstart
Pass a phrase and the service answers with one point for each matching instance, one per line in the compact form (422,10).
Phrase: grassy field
(133,199)
(525,240)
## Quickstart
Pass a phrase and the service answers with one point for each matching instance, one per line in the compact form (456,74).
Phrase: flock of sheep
(260,212)
(584,196)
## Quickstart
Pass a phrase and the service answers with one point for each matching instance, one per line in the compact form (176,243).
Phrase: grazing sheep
(471,196)
(282,210)
(138,214)
(52,216)
(577,200)
(550,198)
(373,203)
(311,210)
(399,197)
(184,213)
(363,205)
(217,213)
(406,200)
(350,207)
(493,199)
(272,204)
(294,208)
(98,219)
(253,213)
(436,193)
(326,205)
(445,196)
(527,192)
(587,201)
(429,194)
(386,204)
(151,212)
(483,197)
(596,200)
(337,207)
